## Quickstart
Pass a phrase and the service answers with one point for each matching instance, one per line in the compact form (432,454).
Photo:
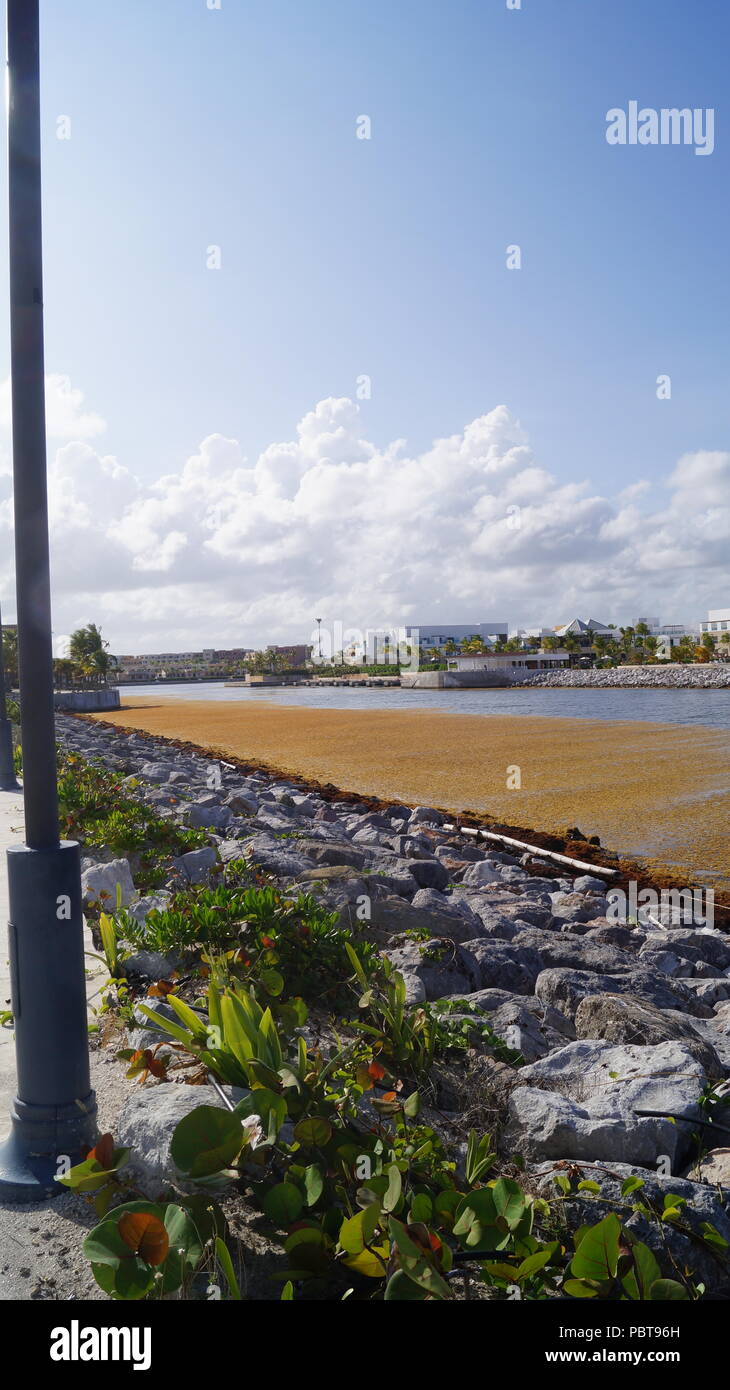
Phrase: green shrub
(96,809)
(365,1206)
(296,939)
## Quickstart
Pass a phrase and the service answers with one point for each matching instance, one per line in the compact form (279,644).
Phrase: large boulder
(208,817)
(332,852)
(197,865)
(577,953)
(526,910)
(709,993)
(624,1018)
(372,837)
(429,873)
(713,1167)
(588,883)
(426,815)
(582,1102)
(434,969)
(279,857)
(100,882)
(707,943)
(504,965)
(479,875)
(149,965)
(613,934)
(410,846)
(525,1028)
(492,1000)
(394,877)
(146,1124)
(464,854)
(429,911)
(156,771)
(158,901)
(577,907)
(564,989)
(657,957)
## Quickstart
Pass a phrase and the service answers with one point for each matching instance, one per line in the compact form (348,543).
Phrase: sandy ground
(657,790)
(41,1243)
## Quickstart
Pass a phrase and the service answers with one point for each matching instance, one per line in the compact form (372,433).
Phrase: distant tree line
(87,664)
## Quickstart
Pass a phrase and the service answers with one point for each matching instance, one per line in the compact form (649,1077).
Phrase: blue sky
(193,127)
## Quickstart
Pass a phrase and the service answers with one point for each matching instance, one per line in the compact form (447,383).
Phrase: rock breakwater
(708,676)
(620,1027)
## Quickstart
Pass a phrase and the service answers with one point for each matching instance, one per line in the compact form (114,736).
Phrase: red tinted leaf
(154,1065)
(160,989)
(145,1235)
(137,1064)
(103,1151)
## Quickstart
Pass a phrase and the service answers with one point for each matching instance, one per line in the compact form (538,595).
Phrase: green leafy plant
(288,943)
(609,1262)
(95,808)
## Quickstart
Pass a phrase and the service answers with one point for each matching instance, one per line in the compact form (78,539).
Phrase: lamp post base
(53,1117)
(44,1142)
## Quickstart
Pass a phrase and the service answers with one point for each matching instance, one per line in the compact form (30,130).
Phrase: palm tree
(685,649)
(65,671)
(89,652)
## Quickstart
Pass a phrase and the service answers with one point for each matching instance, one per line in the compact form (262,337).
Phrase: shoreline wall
(712,675)
(86,701)
(454,680)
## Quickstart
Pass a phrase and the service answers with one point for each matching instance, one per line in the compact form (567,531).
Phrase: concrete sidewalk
(11,832)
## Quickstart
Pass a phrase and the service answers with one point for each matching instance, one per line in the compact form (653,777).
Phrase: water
(706,708)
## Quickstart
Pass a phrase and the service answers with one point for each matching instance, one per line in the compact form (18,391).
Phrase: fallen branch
(480,834)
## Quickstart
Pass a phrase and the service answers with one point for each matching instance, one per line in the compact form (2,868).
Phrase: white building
(587,630)
(674,630)
(437,636)
(532,634)
(718,621)
(408,643)
(508,661)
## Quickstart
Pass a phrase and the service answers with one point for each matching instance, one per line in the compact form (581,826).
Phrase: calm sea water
(710,708)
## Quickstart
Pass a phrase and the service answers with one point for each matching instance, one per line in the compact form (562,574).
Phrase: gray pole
(53,1116)
(8,781)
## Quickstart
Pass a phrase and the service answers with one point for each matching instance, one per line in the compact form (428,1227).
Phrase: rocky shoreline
(713,675)
(621,1029)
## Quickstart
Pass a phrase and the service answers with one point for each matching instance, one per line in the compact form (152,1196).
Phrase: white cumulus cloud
(229,551)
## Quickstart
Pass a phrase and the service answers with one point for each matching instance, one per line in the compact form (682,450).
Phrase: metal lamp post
(54,1114)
